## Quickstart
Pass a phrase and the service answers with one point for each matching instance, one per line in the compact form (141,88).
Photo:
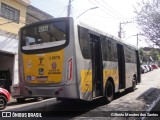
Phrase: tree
(143,55)
(148,18)
(155,54)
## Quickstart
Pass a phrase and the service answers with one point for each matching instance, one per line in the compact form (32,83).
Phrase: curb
(152,107)
(40,106)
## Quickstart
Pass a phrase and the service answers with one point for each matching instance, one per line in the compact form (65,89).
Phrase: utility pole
(137,39)
(69,9)
(120,28)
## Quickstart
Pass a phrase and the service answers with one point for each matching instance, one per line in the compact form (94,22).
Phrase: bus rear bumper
(28,91)
(64,91)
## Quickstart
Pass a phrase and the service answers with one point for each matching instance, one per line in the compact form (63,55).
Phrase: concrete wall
(34,15)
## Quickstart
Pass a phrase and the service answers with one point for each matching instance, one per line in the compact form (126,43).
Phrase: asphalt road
(144,98)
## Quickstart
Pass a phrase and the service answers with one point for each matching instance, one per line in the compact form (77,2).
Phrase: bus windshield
(46,35)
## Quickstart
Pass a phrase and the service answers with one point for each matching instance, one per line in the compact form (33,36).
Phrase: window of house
(10,13)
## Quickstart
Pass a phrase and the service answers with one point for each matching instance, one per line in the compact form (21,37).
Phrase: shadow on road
(74,108)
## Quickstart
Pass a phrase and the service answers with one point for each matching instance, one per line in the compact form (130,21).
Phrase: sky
(107,17)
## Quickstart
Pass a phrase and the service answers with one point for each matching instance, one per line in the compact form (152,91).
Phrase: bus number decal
(54,57)
(43,28)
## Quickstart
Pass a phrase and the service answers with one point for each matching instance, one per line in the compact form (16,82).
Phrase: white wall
(9,45)
(15,69)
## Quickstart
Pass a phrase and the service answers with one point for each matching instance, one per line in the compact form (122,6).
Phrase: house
(14,14)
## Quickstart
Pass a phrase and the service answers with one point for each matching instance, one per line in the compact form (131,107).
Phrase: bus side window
(115,59)
(111,51)
(84,42)
(104,47)
(130,55)
(133,59)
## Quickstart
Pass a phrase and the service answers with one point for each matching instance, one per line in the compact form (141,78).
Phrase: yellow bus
(66,59)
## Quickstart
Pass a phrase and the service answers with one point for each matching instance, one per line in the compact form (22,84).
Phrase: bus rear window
(44,36)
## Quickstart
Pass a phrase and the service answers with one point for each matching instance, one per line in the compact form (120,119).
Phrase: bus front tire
(109,91)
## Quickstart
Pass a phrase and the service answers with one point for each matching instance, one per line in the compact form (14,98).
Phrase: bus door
(121,66)
(96,57)
(138,67)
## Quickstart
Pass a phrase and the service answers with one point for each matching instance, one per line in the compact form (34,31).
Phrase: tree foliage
(147,53)
(155,54)
(148,18)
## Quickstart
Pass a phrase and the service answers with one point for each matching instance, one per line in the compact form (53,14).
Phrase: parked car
(143,69)
(154,66)
(150,67)
(16,94)
(4,98)
(147,67)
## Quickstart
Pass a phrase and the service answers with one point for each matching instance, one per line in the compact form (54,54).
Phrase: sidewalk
(155,108)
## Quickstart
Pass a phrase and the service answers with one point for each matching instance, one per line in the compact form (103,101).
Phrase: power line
(63,11)
(118,14)
(109,17)
(102,9)
(112,9)
(110,12)
(57,9)
(13,21)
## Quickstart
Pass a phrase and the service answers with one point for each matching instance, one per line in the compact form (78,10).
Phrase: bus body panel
(110,70)
(130,65)
(130,72)
(84,67)
(69,73)
(62,69)
(84,71)
(44,68)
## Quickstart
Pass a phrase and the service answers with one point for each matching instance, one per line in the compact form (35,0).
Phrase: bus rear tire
(109,91)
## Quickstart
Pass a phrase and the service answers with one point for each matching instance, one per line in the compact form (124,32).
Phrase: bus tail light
(69,71)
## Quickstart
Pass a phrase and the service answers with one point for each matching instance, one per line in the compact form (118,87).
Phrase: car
(147,67)
(150,67)
(4,98)
(154,66)
(143,69)
(16,94)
